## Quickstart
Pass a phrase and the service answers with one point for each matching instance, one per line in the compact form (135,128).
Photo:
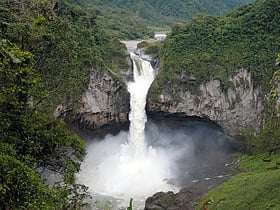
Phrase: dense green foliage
(22,188)
(164,12)
(67,40)
(150,48)
(29,141)
(257,186)
(120,23)
(269,137)
(214,47)
(48,48)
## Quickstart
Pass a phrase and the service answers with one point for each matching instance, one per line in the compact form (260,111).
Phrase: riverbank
(256,185)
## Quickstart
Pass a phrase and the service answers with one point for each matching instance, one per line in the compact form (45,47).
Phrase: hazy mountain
(162,12)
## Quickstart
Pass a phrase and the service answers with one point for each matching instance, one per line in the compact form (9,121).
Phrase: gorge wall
(235,109)
(105,103)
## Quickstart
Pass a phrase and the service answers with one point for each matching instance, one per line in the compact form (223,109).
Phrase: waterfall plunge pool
(179,154)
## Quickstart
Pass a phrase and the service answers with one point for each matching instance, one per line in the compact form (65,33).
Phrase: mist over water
(152,156)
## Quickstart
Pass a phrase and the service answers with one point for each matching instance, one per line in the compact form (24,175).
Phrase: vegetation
(30,142)
(48,48)
(151,48)
(120,23)
(67,41)
(165,13)
(269,137)
(211,47)
(257,186)
(214,47)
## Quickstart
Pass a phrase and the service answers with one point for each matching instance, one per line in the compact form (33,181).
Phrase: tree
(21,187)
(35,142)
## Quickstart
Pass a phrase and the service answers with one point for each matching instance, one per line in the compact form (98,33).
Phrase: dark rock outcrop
(185,199)
(105,102)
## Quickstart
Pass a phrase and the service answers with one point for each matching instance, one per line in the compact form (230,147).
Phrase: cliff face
(104,103)
(235,109)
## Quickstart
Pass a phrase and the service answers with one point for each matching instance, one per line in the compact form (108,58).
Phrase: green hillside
(257,186)
(67,39)
(210,47)
(213,47)
(48,48)
(164,12)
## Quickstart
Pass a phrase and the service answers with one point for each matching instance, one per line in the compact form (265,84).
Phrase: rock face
(105,102)
(235,109)
(185,199)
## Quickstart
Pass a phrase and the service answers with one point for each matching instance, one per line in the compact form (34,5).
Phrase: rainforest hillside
(164,12)
(67,41)
(214,47)
(48,49)
(211,47)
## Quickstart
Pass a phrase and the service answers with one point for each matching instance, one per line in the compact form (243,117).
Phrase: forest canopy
(164,12)
(214,47)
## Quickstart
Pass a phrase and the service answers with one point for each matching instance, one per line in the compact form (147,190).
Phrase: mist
(179,154)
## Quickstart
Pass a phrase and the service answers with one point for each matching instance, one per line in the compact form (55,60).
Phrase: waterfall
(141,170)
(138,89)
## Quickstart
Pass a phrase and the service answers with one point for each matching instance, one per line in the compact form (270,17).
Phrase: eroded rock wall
(235,109)
(104,103)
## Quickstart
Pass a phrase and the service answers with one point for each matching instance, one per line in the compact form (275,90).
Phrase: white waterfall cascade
(123,166)
(142,171)
(143,78)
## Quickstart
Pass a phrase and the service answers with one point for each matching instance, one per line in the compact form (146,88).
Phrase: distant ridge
(165,12)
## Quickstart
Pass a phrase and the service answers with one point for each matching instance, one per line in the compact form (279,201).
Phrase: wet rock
(185,199)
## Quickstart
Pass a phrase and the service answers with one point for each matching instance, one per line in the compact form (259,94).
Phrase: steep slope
(164,12)
(218,67)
